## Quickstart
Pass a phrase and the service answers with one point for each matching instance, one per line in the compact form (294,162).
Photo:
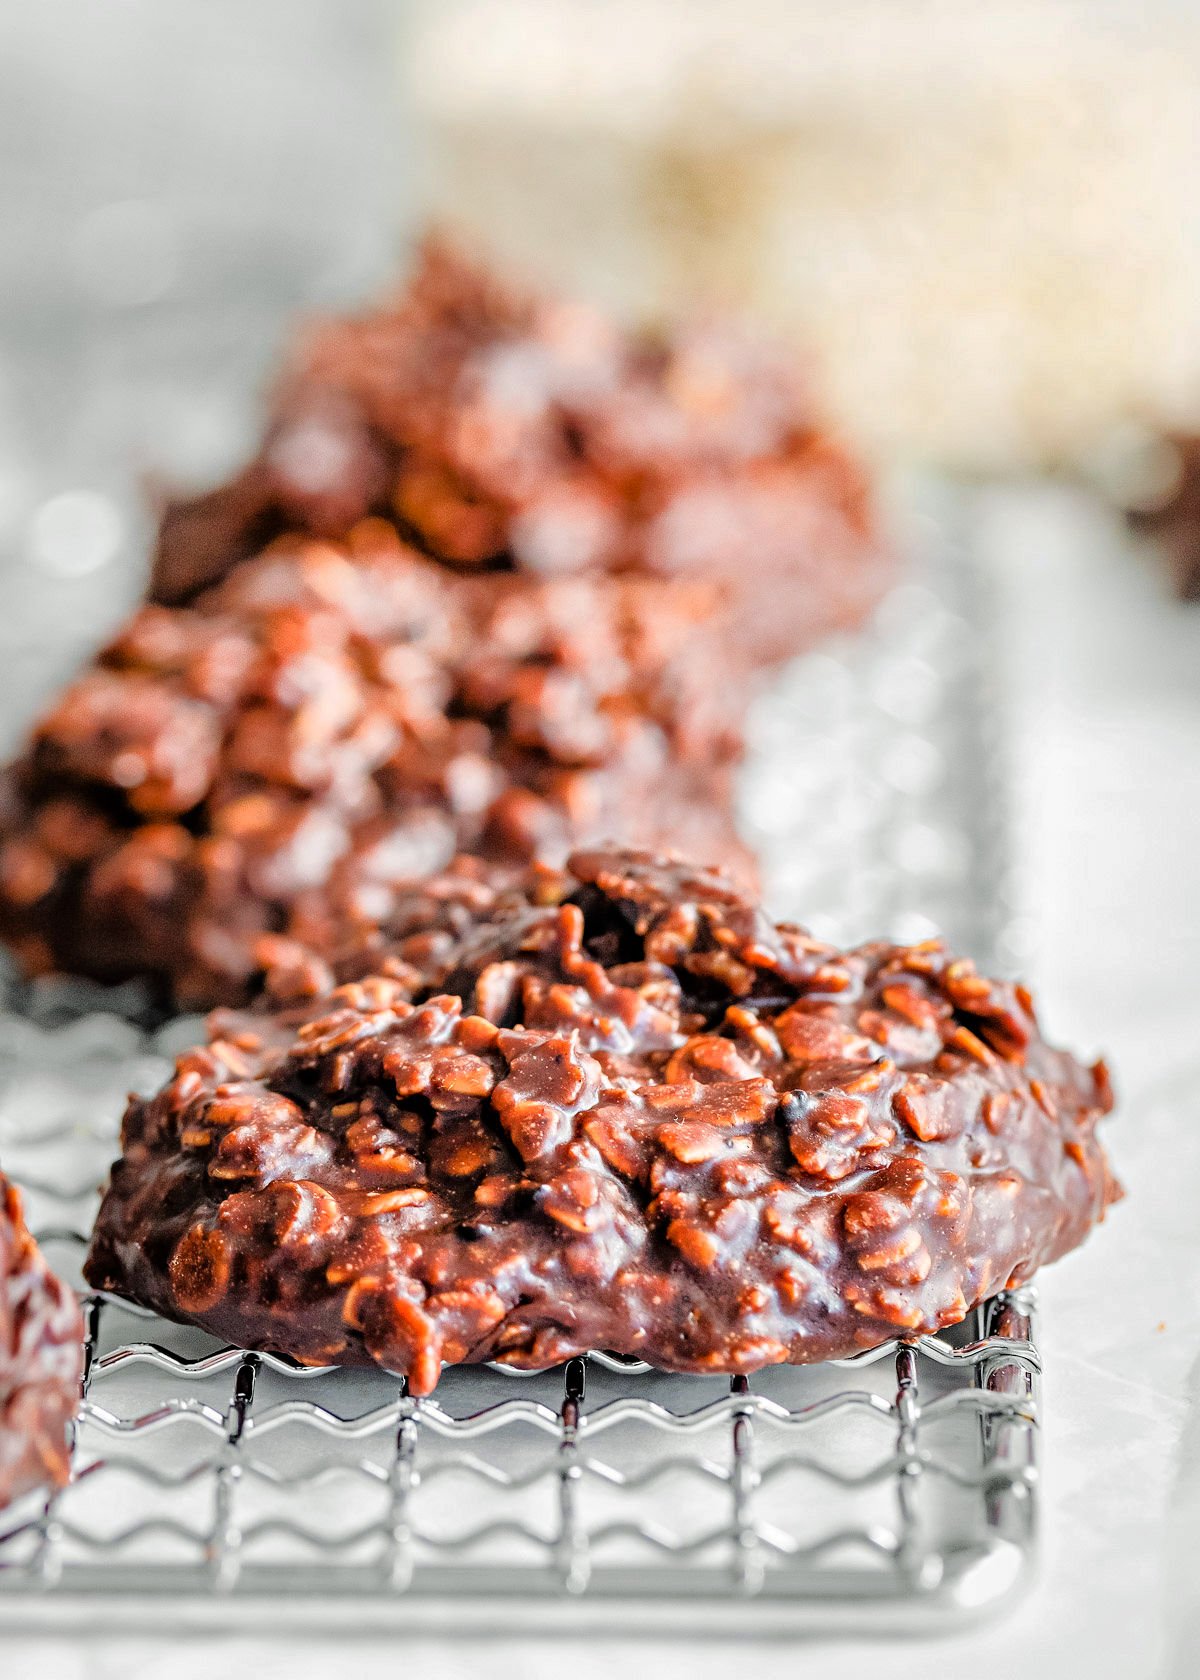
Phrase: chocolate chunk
(608,1107)
(41,1359)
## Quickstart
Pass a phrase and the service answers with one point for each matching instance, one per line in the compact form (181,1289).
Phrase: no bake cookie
(41,1359)
(610,1107)
(499,429)
(334,721)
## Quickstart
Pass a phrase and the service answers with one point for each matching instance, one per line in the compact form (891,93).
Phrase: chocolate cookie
(500,429)
(617,1108)
(334,721)
(41,1359)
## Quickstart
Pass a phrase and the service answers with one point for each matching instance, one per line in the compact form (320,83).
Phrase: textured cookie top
(501,429)
(41,1358)
(618,1108)
(334,719)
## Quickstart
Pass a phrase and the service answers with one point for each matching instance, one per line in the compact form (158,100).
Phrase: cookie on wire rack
(499,428)
(41,1359)
(617,1109)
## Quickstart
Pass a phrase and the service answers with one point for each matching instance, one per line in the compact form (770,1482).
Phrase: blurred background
(978,223)
(980,226)
(975,216)
(176,181)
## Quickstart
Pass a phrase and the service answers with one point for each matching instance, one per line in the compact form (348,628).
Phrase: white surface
(1108,732)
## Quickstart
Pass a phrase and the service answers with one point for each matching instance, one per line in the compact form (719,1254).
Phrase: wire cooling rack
(216,1487)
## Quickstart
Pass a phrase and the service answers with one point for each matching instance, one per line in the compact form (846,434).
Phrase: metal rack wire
(869,1540)
(218,1487)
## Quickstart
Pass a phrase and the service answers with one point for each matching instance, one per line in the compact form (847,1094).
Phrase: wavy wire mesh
(226,1487)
